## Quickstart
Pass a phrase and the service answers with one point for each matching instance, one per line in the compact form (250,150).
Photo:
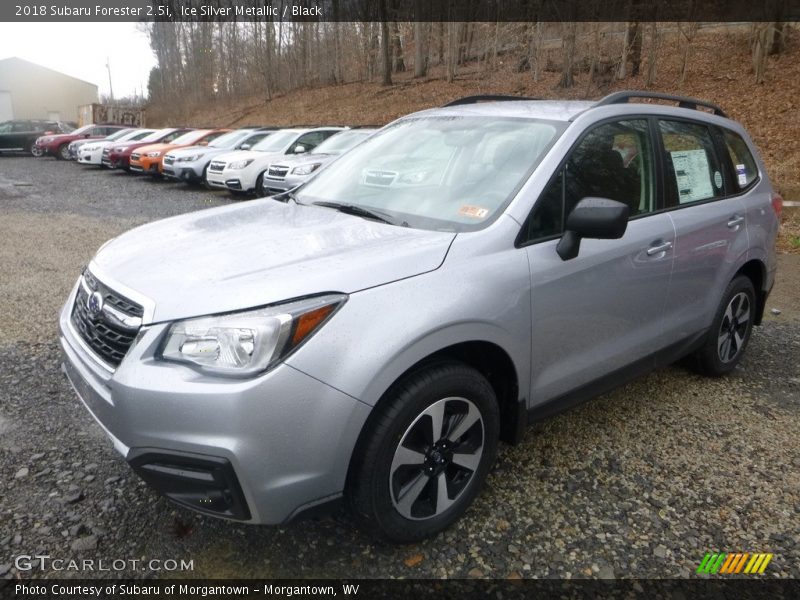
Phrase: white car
(91,153)
(243,171)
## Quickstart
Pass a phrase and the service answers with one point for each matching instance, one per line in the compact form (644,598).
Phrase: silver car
(373,335)
(290,171)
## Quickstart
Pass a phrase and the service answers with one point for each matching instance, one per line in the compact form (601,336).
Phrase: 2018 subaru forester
(371,335)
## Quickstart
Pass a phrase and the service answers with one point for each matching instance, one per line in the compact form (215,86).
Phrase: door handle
(735,221)
(653,250)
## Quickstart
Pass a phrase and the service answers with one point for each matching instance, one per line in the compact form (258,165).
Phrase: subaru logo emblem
(95,304)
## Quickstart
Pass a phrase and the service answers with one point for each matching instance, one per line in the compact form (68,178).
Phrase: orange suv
(148,159)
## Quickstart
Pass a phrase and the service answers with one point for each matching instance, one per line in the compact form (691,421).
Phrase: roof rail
(486,98)
(683,101)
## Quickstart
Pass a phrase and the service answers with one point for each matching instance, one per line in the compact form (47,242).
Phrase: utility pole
(110,88)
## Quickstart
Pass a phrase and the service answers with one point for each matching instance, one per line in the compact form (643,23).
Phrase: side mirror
(594,218)
(245,147)
(86,135)
(299,149)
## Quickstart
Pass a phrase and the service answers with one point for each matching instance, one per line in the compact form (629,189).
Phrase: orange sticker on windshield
(476,212)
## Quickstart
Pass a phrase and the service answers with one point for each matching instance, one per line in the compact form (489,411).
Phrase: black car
(19,135)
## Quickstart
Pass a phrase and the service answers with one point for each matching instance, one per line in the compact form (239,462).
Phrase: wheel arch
(756,271)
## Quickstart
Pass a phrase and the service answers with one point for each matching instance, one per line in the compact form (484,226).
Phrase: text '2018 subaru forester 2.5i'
(371,335)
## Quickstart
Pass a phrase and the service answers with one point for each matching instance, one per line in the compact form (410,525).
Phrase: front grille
(375,177)
(110,331)
(106,152)
(168,160)
(135,156)
(277,172)
(216,166)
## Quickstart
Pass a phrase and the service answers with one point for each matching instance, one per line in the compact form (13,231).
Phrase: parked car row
(252,160)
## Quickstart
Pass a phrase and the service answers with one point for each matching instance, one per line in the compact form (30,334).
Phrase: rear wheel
(425,454)
(730,331)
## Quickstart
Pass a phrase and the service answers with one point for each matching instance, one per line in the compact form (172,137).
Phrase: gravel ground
(638,483)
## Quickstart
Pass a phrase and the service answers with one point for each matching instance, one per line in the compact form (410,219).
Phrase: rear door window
(745,170)
(693,169)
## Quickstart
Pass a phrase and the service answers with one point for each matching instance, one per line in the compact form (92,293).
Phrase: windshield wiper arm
(359,211)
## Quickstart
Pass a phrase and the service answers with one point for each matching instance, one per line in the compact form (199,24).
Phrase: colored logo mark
(734,562)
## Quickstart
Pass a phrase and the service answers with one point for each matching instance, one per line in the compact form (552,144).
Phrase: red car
(58,145)
(118,156)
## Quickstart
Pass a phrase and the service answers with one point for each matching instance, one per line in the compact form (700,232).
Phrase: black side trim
(208,485)
(319,508)
(618,378)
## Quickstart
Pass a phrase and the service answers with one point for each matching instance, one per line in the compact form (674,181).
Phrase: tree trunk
(569,30)
(397,49)
(387,63)
(635,41)
(652,54)
(420,49)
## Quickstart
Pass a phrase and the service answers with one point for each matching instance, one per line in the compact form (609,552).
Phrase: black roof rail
(683,101)
(486,98)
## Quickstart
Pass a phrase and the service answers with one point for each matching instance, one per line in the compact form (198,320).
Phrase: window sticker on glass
(717,180)
(741,174)
(692,175)
(476,212)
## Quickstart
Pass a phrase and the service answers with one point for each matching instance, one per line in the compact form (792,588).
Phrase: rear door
(599,313)
(710,228)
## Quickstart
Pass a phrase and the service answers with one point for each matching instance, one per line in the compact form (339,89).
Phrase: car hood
(152,147)
(188,150)
(303,159)
(262,252)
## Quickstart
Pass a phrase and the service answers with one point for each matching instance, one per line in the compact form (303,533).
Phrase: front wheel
(730,331)
(63,152)
(37,151)
(425,454)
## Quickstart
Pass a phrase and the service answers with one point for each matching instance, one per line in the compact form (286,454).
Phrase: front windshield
(440,173)
(190,137)
(118,134)
(157,135)
(81,130)
(341,142)
(230,139)
(275,142)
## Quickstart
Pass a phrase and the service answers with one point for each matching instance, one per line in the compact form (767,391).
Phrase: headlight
(191,158)
(247,343)
(46,140)
(306,169)
(155,154)
(240,164)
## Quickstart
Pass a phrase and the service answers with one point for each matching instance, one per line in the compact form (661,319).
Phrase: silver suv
(372,335)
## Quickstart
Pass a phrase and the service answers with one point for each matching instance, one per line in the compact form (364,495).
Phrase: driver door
(599,314)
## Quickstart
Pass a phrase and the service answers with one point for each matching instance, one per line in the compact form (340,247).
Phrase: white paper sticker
(718,179)
(741,174)
(692,174)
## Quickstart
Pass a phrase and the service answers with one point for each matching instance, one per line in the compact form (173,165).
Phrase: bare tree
(420,48)
(569,31)
(652,55)
(387,64)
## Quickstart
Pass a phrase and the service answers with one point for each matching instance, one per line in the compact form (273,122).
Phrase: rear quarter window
(745,170)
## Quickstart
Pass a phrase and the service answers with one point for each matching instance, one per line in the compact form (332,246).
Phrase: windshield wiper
(359,211)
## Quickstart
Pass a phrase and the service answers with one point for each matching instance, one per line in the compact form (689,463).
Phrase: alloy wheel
(436,459)
(733,328)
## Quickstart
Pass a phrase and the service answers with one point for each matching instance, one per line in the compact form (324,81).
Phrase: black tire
(63,152)
(36,151)
(375,484)
(258,191)
(730,331)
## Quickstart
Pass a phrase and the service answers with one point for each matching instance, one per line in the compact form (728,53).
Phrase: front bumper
(260,450)
(90,158)
(183,171)
(146,166)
